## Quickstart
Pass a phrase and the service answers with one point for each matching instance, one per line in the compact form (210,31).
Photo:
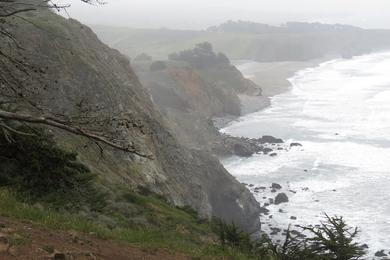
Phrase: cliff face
(190,97)
(83,74)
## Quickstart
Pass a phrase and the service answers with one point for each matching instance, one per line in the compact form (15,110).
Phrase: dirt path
(20,240)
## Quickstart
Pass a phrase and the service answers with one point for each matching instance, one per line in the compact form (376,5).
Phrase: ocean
(340,112)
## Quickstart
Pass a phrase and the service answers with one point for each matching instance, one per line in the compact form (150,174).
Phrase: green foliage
(49,249)
(178,238)
(202,56)
(188,209)
(332,240)
(40,171)
(232,236)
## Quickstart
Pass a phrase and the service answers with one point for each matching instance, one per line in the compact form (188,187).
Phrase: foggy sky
(200,14)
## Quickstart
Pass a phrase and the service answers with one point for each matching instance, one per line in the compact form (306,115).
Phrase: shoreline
(275,218)
(271,77)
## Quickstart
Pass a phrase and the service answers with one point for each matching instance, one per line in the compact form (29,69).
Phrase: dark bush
(158,65)
(190,210)
(231,235)
(143,57)
(40,171)
(332,240)
(202,56)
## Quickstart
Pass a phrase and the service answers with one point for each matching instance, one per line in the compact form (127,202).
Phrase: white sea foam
(340,112)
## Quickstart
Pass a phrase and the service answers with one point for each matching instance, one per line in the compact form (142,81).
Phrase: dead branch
(71,129)
(10,129)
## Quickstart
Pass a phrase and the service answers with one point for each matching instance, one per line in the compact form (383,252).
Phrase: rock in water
(266,150)
(242,150)
(264,211)
(275,231)
(295,144)
(380,253)
(270,139)
(281,198)
(276,186)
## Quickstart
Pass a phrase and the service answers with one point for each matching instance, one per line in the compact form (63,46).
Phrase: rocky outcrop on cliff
(191,95)
(81,73)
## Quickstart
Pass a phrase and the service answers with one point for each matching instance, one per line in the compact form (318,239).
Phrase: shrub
(332,240)
(143,57)
(202,56)
(39,171)
(190,210)
(335,239)
(158,65)
(231,235)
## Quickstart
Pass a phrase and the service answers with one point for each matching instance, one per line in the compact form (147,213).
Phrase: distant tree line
(143,57)
(202,56)
(290,27)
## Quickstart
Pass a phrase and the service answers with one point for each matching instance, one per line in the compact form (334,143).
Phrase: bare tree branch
(71,129)
(16,74)
(16,12)
(10,129)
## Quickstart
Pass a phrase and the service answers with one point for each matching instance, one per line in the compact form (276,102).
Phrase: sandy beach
(272,77)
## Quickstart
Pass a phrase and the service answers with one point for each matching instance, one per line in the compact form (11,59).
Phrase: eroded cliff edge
(193,89)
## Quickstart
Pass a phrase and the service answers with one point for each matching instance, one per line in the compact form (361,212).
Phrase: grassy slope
(186,234)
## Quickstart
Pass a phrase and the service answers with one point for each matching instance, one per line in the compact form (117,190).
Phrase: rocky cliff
(191,96)
(84,76)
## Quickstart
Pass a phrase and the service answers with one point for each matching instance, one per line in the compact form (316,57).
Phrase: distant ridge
(243,40)
(290,27)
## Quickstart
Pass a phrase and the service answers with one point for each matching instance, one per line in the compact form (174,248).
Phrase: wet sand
(273,77)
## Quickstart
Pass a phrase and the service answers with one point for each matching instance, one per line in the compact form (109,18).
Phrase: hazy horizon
(190,14)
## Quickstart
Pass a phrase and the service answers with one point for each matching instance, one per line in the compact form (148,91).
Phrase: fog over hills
(242,40)
(189,14)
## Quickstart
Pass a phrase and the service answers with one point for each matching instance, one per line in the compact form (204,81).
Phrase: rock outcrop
(281,198)
(190,97)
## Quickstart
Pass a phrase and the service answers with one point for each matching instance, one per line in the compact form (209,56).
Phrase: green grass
(193,242)
(34,170)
